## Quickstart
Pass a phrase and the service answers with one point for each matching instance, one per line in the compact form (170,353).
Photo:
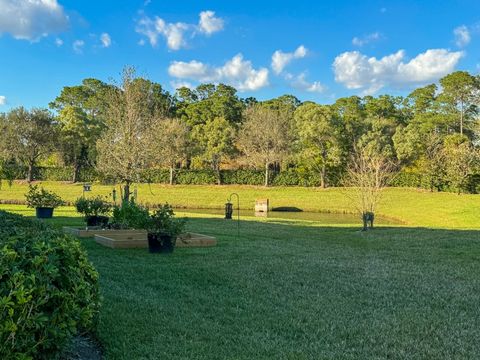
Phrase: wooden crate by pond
(139,240)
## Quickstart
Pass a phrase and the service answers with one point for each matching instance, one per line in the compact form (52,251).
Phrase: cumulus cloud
(78,46)
(179,84)
(32,19)
(300,82)
(281,59)
(462,36)
(208,23)
(176,33)
(3,100)
(366,39)
(237,72)
(58,42)
(357,71)
(106,40)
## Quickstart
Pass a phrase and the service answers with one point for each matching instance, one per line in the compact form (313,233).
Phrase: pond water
(325,218)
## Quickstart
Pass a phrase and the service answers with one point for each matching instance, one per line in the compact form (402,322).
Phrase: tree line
(123,128)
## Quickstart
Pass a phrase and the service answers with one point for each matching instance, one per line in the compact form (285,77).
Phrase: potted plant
(163,229)
(95,210)
(43,201)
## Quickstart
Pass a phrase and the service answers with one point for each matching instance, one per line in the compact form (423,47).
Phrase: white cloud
(78,46)
(236,72)
(58,42)
(3,100)
(208,23)
(176,33)
(32,19)
(106,40)
(281,59)
(462,36)
(179,84)
(366,39)
(300,82)
(357,71)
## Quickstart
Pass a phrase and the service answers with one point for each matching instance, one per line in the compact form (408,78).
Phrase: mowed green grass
(296,289)
(411,206)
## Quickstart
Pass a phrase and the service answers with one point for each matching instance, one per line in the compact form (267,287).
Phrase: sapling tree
(368,174)
(170,143)
(124,148)
(266,136)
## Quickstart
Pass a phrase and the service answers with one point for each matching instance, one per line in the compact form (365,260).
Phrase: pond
(324,218)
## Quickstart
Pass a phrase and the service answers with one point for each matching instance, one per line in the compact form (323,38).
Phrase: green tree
(460,96)
(170,143)
(266,136)
(78,135)
(208,102)
(215,140)
(27,137)
(318,137)
(461,159)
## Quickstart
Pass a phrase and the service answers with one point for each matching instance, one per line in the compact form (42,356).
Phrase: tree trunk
(323,175)
(267,165)
(461,118)
(126,192)
(171,175)
(76,171)
(219,177)
(31,166)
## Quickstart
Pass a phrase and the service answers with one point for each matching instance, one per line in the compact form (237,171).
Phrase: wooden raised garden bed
(139,240)
(82,232)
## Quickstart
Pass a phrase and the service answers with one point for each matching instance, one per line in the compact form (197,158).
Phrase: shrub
(42,198)
(130,216)
(48,289)
(93,207)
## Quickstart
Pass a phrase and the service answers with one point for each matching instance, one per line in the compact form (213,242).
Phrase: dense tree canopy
(431,135)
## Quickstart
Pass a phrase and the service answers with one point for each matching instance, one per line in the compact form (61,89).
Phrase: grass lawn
(292,290)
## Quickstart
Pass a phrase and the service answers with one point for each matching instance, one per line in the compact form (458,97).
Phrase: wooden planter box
(195,240)
(94,230)
(138,239)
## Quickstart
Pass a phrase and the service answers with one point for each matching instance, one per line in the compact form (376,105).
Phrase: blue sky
(316,50)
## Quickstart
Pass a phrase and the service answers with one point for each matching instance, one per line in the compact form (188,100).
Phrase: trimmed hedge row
(48,289)
(289,177)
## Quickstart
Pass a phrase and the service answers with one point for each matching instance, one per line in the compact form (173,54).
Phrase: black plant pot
(44,212)
(160,243)
(97,220)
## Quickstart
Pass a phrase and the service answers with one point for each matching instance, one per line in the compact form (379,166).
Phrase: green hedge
(288,177)
(48,289)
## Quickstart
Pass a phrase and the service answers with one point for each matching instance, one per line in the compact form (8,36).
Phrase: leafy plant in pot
(43,201)
(95,210)
(163,229)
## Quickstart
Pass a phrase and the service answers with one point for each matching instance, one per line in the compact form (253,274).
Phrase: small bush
(130,216)
(48,289)
(93,207)
(36,198)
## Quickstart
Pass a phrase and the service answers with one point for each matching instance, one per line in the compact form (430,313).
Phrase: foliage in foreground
(48,289)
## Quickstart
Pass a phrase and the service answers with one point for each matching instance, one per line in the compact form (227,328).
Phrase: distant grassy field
(411,206)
